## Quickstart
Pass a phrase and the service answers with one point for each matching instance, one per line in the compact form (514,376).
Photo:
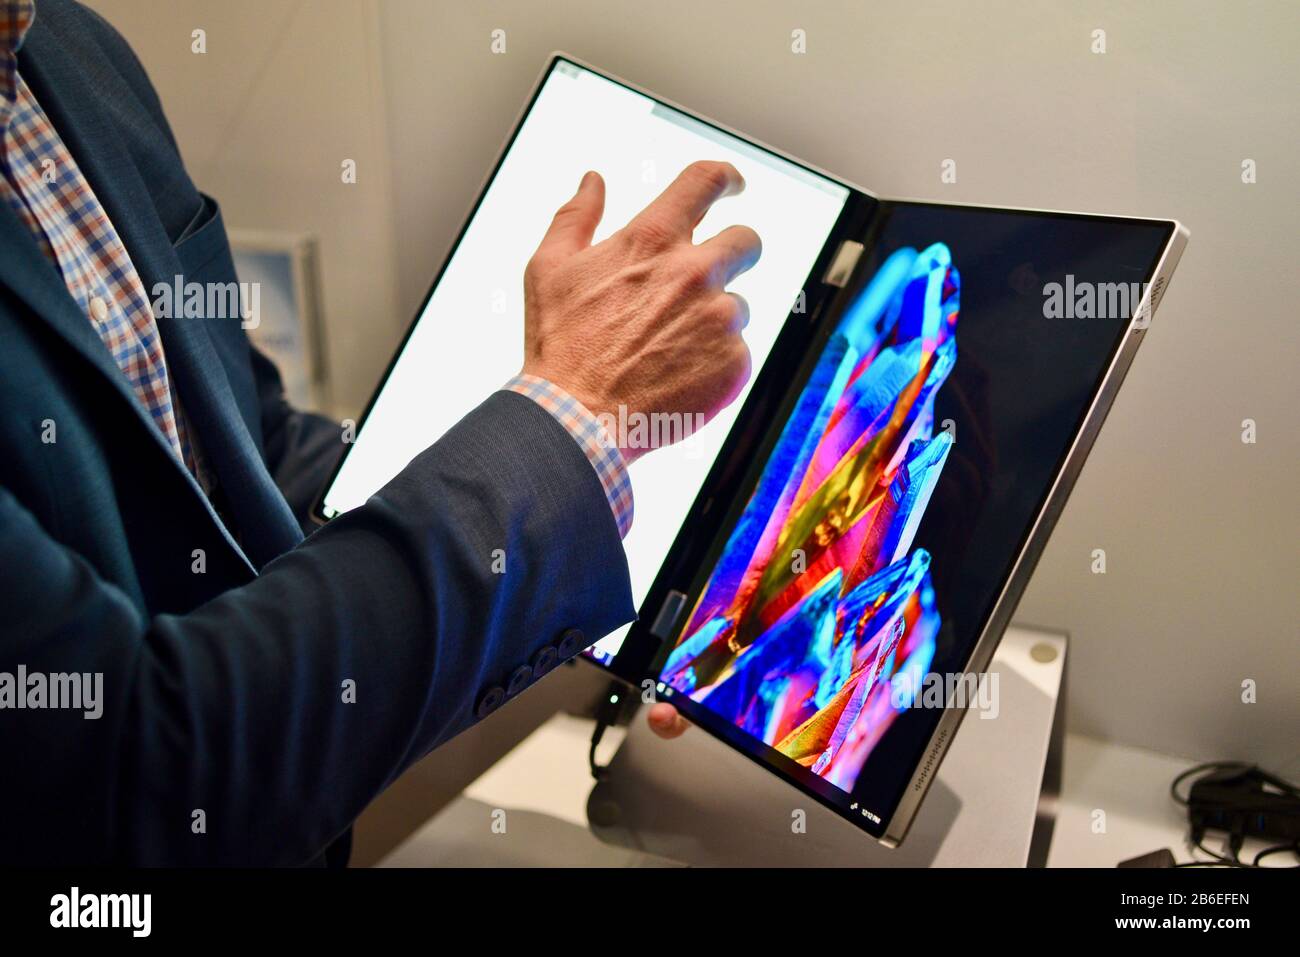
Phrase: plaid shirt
(44,186)
(602,451)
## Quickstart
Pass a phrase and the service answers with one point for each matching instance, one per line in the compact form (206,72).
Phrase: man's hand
(640,323)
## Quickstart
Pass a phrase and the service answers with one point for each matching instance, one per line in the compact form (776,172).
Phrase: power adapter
(1246,802)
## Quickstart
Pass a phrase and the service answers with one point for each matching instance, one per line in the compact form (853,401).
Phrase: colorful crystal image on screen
(819,605)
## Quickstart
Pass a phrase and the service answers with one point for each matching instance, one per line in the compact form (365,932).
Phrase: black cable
(1236,832)
(598,771)
(607,714)
(1207,766)
(1293,847)
(1236,836)
(1219,859)
(1284,786)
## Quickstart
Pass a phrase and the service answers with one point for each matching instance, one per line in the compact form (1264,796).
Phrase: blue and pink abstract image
(818,599)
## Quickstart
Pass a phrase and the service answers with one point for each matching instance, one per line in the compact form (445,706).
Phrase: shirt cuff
(592,437)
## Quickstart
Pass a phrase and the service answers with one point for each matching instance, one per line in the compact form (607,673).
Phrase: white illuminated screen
(469,338)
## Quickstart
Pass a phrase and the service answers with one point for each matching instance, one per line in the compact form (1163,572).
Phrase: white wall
(287,90)
(1200,530)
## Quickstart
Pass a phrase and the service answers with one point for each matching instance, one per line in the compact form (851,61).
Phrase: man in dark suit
(185,678)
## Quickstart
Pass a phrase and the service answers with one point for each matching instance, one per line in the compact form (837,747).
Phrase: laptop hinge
(841,268)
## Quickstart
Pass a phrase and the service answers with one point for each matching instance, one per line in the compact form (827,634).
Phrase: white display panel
(469,338)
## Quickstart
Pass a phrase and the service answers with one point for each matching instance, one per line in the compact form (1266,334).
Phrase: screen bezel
(856,197)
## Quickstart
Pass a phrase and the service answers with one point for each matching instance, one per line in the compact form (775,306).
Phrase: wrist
(610,414)
(590,434)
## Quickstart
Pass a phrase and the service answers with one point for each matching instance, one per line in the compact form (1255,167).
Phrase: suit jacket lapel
(33,278)
(269,527)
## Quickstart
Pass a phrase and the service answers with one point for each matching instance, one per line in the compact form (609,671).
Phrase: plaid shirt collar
(15,20)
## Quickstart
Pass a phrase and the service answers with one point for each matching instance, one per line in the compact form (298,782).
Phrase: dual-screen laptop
(861,522)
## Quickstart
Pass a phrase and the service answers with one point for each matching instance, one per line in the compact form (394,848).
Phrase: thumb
(576,221)
(665,721)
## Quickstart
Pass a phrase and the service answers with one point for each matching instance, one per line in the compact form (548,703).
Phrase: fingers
(666,722)
(736,311)
(576,221)
(738,370)
(679,208)
(731,252)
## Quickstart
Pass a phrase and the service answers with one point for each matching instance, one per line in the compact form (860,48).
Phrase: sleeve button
(520,679)
(571,642)
(544,661)
(491,700)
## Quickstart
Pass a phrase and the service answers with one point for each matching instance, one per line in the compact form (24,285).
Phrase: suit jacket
(225,680)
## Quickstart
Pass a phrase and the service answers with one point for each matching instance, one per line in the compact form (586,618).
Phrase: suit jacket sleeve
(452,579)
